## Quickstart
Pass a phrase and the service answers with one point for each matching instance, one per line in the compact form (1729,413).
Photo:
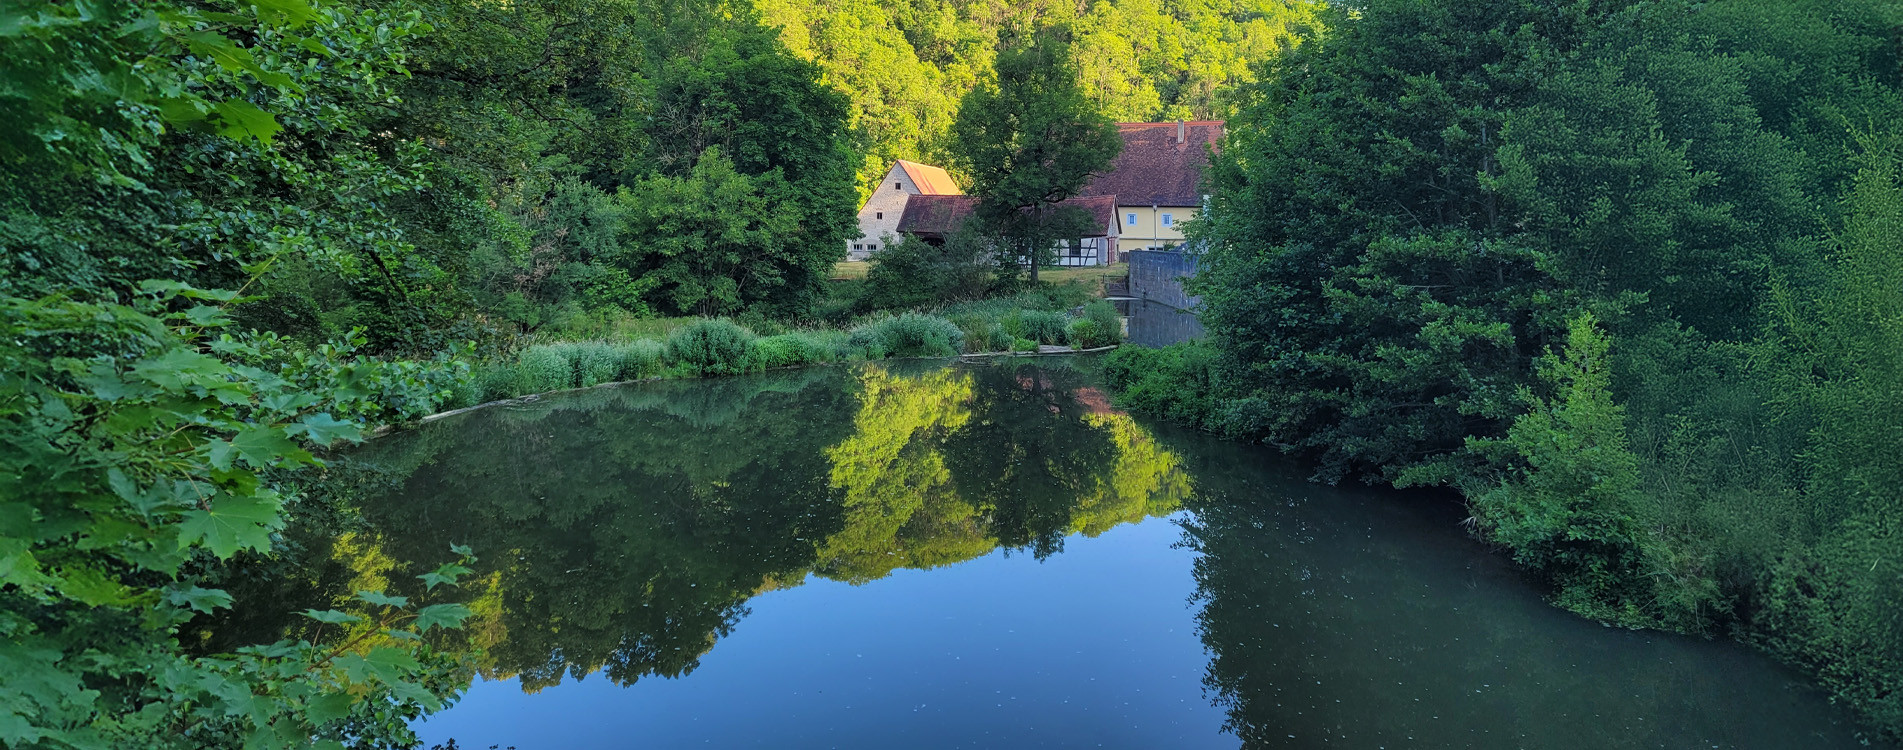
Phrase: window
(1168,220)
(878,214)
(1130,219)
(873,246)
(896,186)
(858,247)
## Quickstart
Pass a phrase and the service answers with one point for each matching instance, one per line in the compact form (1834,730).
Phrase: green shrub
(712,347)
(469,392)
(761,325)
(982,334)
(908,335)
(1109,323)
(1012,324)
(595,363)
(1085,333)
(1023,345)
(1176,382)
(638,359)
(909,272)
(1043,326)
(542,369)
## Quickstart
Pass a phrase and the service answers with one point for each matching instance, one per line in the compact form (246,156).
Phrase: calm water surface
(984,555)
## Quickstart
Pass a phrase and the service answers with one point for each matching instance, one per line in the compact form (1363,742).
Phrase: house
(935,217)
(1141,201)
(879,218)
(1156,180)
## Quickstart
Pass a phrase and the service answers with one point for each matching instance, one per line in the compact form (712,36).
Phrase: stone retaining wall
(1157,276)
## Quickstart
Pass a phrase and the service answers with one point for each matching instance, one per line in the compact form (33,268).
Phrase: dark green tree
(1028,140)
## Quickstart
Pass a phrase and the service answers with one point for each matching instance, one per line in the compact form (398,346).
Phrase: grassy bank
(698,347)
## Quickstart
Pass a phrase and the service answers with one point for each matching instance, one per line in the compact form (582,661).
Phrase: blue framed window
(1169,220)
(1130,219)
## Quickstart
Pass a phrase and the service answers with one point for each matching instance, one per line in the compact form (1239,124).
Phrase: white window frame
(1169,220)
(1129,220)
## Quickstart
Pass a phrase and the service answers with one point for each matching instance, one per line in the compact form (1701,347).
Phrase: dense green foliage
(913,273)
(594,160)
(1625,273)
(149,154)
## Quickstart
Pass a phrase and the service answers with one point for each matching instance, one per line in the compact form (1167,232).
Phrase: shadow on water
(1351,617)
(630,532)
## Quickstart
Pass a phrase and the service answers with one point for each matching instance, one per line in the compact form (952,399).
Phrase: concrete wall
(1148,231)
(880,216)
(1157,276)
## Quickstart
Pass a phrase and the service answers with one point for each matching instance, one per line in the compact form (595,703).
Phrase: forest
(1622,273)
(1625,274)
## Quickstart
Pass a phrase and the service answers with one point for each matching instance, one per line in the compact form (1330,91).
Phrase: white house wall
(879,219)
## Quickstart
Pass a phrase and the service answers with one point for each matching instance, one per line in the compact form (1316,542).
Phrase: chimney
(1179,132)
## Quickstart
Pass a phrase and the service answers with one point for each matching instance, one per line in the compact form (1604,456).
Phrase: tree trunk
(1030,256)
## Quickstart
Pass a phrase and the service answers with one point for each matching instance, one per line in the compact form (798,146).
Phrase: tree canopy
(1028,140)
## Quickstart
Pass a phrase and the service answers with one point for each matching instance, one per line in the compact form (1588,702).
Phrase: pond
(952,555)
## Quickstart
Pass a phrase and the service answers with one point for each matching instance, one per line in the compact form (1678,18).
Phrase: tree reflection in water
(623,530)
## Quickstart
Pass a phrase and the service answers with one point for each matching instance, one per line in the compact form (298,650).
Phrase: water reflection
(1362,618)
(1155,324)
(630,532)
(623,530)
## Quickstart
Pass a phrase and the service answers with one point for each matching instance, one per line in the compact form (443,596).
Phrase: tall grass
(908,335)
(725,347)
(595,363)
(543,368)
(639,359)
(712,347)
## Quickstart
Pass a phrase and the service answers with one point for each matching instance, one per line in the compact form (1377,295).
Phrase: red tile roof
(929,179)
(935,215)
(940,215)
(1154,169)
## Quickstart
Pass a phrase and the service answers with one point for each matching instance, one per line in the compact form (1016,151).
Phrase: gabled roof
(1154,169)
(940,215)
(929,179)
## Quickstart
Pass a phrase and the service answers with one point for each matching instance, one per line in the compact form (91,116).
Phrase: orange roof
(929,179)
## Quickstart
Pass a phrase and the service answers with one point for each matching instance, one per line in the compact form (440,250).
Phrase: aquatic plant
(798,348)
